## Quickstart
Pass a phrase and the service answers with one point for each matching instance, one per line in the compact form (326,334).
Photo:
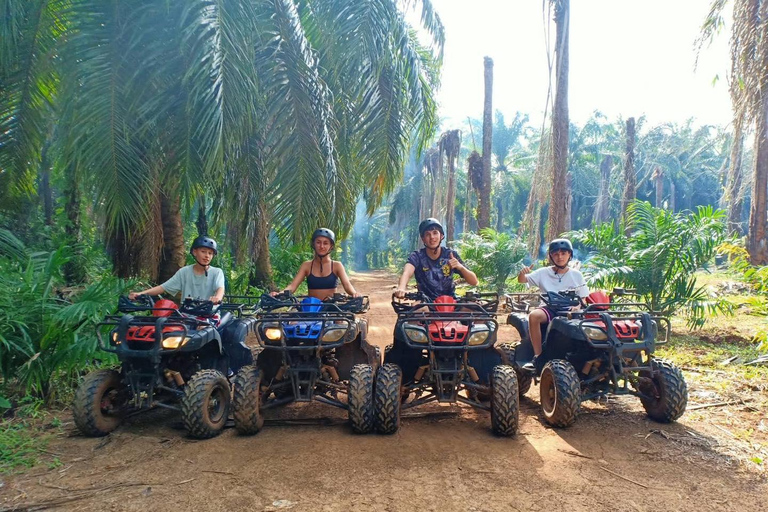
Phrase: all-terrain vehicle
(606,348)
(450,345)
(173,357)
(310,350)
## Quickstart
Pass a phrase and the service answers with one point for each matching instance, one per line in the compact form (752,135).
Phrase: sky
(627,59)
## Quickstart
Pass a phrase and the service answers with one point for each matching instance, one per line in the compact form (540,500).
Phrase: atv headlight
(416,334)
(479,335)
(595,333)
(273,333)
(174,342)
(333,334)
(114,337)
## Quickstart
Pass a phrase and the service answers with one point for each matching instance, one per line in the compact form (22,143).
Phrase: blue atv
(310,350)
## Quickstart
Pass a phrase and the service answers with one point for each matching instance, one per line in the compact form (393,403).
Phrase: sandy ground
(613,458)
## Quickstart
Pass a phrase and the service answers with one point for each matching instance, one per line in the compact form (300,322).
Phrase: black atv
(173,357)
(606,348)
(311,350)
(444,351)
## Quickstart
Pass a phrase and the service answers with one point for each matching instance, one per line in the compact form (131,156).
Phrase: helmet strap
(205,267)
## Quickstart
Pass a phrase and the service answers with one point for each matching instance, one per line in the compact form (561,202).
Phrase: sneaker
(531,365)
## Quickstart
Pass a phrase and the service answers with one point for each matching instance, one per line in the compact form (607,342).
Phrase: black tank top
(321,283)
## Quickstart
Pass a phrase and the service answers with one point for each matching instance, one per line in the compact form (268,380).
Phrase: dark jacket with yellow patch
(434,277)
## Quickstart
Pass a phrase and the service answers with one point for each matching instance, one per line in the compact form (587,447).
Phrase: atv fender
(359,351)
(524,351)
(520,322)
(202,338)
(234,343)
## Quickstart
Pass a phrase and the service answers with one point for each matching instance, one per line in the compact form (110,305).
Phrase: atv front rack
(469,314)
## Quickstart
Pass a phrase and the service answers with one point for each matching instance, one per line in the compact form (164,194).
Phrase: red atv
(605,349)
(444,351)
(173,357)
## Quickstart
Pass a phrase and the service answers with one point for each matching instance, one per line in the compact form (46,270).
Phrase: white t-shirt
(547,281)
(199,287)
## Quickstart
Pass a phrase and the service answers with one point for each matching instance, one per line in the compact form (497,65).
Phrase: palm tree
(284,111)
(749,88)
(558,207)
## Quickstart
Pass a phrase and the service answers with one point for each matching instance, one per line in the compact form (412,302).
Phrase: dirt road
(613,458)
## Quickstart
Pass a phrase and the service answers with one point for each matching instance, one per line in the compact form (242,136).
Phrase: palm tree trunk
(261,264)
(484,204)
(74,269)
(558,205)
(602,205)
(658,179)
(45,184)
(499,215)
(172,255)
(451,144)
(733,199)
(202,218)
(630,180)
(757,236)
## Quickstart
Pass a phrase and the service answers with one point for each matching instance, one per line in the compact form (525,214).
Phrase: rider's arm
(300,276)
(155,290)
(342,274)
(469,276)
(462,270)
(408,271)
(219,284)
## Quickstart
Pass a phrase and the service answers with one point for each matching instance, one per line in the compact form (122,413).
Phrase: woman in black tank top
(321,272)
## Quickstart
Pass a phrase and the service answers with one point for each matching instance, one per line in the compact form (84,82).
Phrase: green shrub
(492,256)
(46,331)
(657,253)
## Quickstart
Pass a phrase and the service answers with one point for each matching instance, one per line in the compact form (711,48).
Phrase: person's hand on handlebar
(400,293)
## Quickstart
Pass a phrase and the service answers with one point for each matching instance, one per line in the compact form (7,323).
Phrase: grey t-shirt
(547,281)
(200,287)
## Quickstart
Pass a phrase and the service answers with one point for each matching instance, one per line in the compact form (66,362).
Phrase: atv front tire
(669,390)
(206,403)
(99,403)
(360,398)
(387,399)
(524,379)
(247,401)
(560,393)
(505,401)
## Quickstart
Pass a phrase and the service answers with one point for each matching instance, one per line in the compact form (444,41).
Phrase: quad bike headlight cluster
(333,334)
(479,335)
(595,333)
(273,333)
(416,334)
(114,337)
(174,342)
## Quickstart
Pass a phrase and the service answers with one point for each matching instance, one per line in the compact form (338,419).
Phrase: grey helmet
(204,241)
(428,224)
(327,233)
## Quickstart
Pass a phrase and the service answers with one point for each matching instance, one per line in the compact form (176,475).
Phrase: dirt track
(613,458)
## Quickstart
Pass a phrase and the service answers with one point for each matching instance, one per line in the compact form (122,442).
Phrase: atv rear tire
(524,379)
(505,401)
(98,408)
(247,401)
(671,393)
(206,403)
(360,398)
(560,393)
(387,399)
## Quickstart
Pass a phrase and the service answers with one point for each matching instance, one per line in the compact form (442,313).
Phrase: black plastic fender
(234,343)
